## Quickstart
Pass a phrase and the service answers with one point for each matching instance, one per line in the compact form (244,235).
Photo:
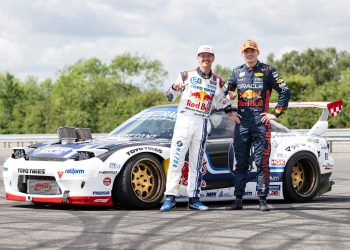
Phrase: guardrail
(21,140)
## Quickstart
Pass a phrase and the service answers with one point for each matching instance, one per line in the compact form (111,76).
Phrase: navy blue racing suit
(254,86)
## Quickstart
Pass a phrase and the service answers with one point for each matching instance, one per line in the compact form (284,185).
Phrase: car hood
(69,150)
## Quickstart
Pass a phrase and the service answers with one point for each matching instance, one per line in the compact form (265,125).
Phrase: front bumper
(73,200)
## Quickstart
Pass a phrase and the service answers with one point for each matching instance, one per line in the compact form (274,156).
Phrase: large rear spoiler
(329,108)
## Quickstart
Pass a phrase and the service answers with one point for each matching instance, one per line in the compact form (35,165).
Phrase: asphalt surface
(321,224)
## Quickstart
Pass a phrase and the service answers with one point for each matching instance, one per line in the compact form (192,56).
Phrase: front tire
(301,177)
(141,184)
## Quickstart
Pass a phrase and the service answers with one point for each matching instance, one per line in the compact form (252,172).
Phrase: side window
(221,126)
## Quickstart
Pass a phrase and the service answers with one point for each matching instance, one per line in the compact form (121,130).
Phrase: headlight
(84,155)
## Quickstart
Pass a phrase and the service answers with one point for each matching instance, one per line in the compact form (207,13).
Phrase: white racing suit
(192,126)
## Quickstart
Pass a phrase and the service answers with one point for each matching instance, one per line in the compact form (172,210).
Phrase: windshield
(148,124)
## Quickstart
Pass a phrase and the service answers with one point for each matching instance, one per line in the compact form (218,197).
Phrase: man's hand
(266,117)
(231,95)
(179,86)
(234,117)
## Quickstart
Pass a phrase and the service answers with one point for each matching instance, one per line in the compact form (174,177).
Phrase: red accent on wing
(335,108)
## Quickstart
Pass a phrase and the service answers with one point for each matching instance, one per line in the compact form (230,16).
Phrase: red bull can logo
(201,96)
(249,94)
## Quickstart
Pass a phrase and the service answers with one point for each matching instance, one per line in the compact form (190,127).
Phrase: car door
(216,165)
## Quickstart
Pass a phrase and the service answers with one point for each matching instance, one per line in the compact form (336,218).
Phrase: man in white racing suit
(200,90)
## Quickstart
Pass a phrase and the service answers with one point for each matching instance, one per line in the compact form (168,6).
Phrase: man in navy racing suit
(254,82)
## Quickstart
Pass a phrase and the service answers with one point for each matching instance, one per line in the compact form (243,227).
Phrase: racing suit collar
(253,68)
(202,74)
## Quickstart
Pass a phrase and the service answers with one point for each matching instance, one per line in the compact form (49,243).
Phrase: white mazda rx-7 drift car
(128,168)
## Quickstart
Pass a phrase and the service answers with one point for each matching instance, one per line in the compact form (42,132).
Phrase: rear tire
(141,184)
(301,177)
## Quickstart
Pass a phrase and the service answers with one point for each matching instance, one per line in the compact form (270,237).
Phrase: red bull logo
(249,94)
(199,106)
(251,103)
(201,95)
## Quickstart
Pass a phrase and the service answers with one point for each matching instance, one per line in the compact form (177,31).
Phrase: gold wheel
(145,176)
(297,176)
(303,177)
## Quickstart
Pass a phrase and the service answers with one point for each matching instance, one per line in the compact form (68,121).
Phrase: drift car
(128,168)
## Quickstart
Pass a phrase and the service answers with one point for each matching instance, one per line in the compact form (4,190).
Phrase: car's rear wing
(329,108)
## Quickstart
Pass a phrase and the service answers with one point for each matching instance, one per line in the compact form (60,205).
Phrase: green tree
(139,70)
(31,112)
(11,94)
(323,65)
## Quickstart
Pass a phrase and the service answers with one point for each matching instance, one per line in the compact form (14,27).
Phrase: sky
(40,37)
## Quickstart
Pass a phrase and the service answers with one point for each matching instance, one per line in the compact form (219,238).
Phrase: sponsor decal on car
(115,166)
(54,150)
(211,194)
(135,150)
(108,172)
(157,115)
(279,155)
(274,193)
(328,166)
(139,136)
(282,135)
(101,193)
(278,162)
(101,200)
(30,171)
(222,194)
(42,187)
(291,147)
(275,187)
(60,173)
(107,181)
(275,178)
(74,171)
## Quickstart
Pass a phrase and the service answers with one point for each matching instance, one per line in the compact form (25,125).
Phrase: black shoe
(236,205)
(263,205)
